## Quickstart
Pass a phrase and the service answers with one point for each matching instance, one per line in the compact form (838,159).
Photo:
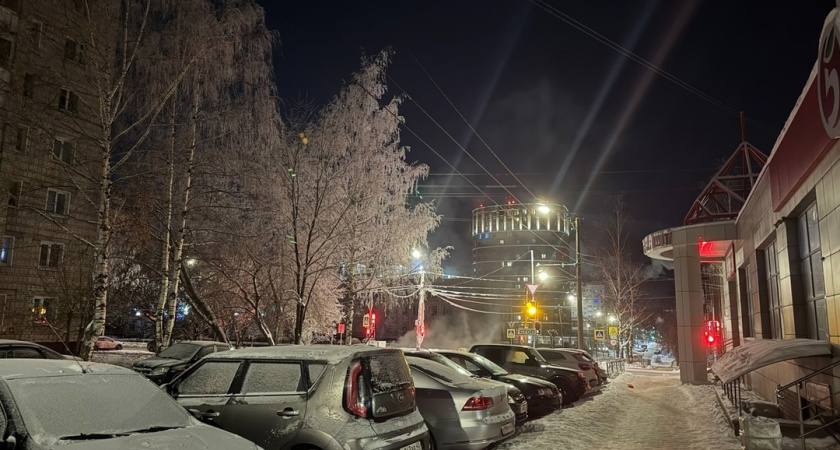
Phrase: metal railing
(614,367)
(732,391)
(811,404)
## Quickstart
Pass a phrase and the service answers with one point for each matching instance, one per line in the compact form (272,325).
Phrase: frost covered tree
(622,277)
(346,184)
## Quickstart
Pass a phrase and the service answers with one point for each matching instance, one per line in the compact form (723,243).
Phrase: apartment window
(21,138)
(508,263)
(50,256)
(68,101)
(745,295)
(42,309)
(543,256)
(5,53)
(7,246)
(774,301)
(813,278)
(57,201)
(14,5)
(36,29)
(28,84)
(15,191)
(501,242)
(63,150)
(74,51)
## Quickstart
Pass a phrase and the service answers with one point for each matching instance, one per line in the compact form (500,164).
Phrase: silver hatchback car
(314,397)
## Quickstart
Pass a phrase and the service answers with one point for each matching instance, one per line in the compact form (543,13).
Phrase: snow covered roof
(761,352)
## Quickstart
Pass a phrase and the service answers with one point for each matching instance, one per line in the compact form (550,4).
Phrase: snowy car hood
(539,382)
(191,438)
(157,361)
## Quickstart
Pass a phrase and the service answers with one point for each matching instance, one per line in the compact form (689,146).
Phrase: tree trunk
(163,290)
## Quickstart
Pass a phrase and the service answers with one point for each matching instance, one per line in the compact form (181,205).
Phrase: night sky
(579,99)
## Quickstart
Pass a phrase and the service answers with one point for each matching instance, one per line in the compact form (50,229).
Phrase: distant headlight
(159,371)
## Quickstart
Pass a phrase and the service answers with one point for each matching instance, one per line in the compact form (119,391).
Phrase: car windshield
(180,350)
(92,406)
(494,368)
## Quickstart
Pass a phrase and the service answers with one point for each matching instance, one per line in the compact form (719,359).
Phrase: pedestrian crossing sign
(613,331)
(511,333)
(599,334)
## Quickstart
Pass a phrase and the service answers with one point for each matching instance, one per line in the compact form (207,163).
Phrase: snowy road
(656,413)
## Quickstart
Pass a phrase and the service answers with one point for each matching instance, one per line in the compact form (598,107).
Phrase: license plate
(413,446)
(507,428)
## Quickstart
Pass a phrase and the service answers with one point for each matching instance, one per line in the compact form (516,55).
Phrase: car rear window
(272,377)
(388,371)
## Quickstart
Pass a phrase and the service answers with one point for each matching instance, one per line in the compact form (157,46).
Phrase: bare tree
(622,277)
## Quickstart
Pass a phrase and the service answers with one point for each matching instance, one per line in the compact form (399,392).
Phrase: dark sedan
(543,396)
(177,358)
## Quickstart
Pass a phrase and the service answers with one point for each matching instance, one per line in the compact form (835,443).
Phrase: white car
(106,343)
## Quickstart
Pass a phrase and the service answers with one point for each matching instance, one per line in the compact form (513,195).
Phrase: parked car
(524,360)
(461,411)
(177,358)
(543,396)
(107,343)
(57,403)
(314,397)
(567,357)
(10,348)
(516,398)
(584,356)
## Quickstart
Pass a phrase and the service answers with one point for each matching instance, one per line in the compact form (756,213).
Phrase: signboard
(532,287)
(613,331)
(522,331)
(511,333)
(366,320)
(613,342)
(599,334)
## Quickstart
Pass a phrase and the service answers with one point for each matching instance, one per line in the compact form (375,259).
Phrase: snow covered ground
(657,412)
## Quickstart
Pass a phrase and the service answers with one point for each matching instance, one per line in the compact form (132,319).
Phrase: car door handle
(210,414)
(288,412)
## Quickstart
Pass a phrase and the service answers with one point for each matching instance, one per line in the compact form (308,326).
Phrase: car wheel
(569,392)
(151,346)
(118,347)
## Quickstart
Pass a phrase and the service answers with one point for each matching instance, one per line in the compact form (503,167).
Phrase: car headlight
(159,370)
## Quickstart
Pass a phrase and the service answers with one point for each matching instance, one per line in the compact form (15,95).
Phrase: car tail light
(352,399)
(581,374)
(479,403)
(584,366)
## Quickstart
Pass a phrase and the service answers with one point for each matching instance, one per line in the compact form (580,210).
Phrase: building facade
(521,244)
(778,261)
(47,215)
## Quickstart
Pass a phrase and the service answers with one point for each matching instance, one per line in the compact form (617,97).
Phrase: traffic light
(370,332)
(531,309)
(711,332)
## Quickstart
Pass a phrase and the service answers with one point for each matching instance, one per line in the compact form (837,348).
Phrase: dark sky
(548,90)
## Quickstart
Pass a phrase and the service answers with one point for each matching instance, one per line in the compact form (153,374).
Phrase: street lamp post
(420,326)
(579,285)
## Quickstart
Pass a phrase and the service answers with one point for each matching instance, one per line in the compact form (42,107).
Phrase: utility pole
(421,308)
(579,285)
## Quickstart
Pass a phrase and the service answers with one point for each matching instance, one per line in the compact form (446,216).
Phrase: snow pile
(761,352)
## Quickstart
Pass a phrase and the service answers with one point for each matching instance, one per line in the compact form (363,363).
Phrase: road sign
(511,323)
(613,342)
(613,331)
(366,320)
(511,333)
(599,334)
(522,331)
(532,287)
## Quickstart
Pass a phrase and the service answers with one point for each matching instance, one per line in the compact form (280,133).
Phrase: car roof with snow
(329,353)
(33,368)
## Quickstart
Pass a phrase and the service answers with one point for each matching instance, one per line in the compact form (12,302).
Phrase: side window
(25,352)
(205,351)
(315,370)
(272,377)
(519,357)
(211,378)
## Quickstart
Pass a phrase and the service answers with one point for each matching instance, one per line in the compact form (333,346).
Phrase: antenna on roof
(45,321)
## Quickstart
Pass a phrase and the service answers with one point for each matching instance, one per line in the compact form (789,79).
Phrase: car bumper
(543,406)
(474,432)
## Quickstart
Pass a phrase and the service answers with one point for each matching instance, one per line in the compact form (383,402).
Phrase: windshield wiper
(152,429)
(91,436)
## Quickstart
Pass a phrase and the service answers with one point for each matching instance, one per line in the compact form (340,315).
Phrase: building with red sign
(775,256)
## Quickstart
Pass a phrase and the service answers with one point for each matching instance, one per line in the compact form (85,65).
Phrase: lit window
(42,308)
(68,101)
(7,246)
(63,150)
(74,51)
(501,242)
(543,256)
(57,201)
(50,256)
(508,263)
(813,277)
